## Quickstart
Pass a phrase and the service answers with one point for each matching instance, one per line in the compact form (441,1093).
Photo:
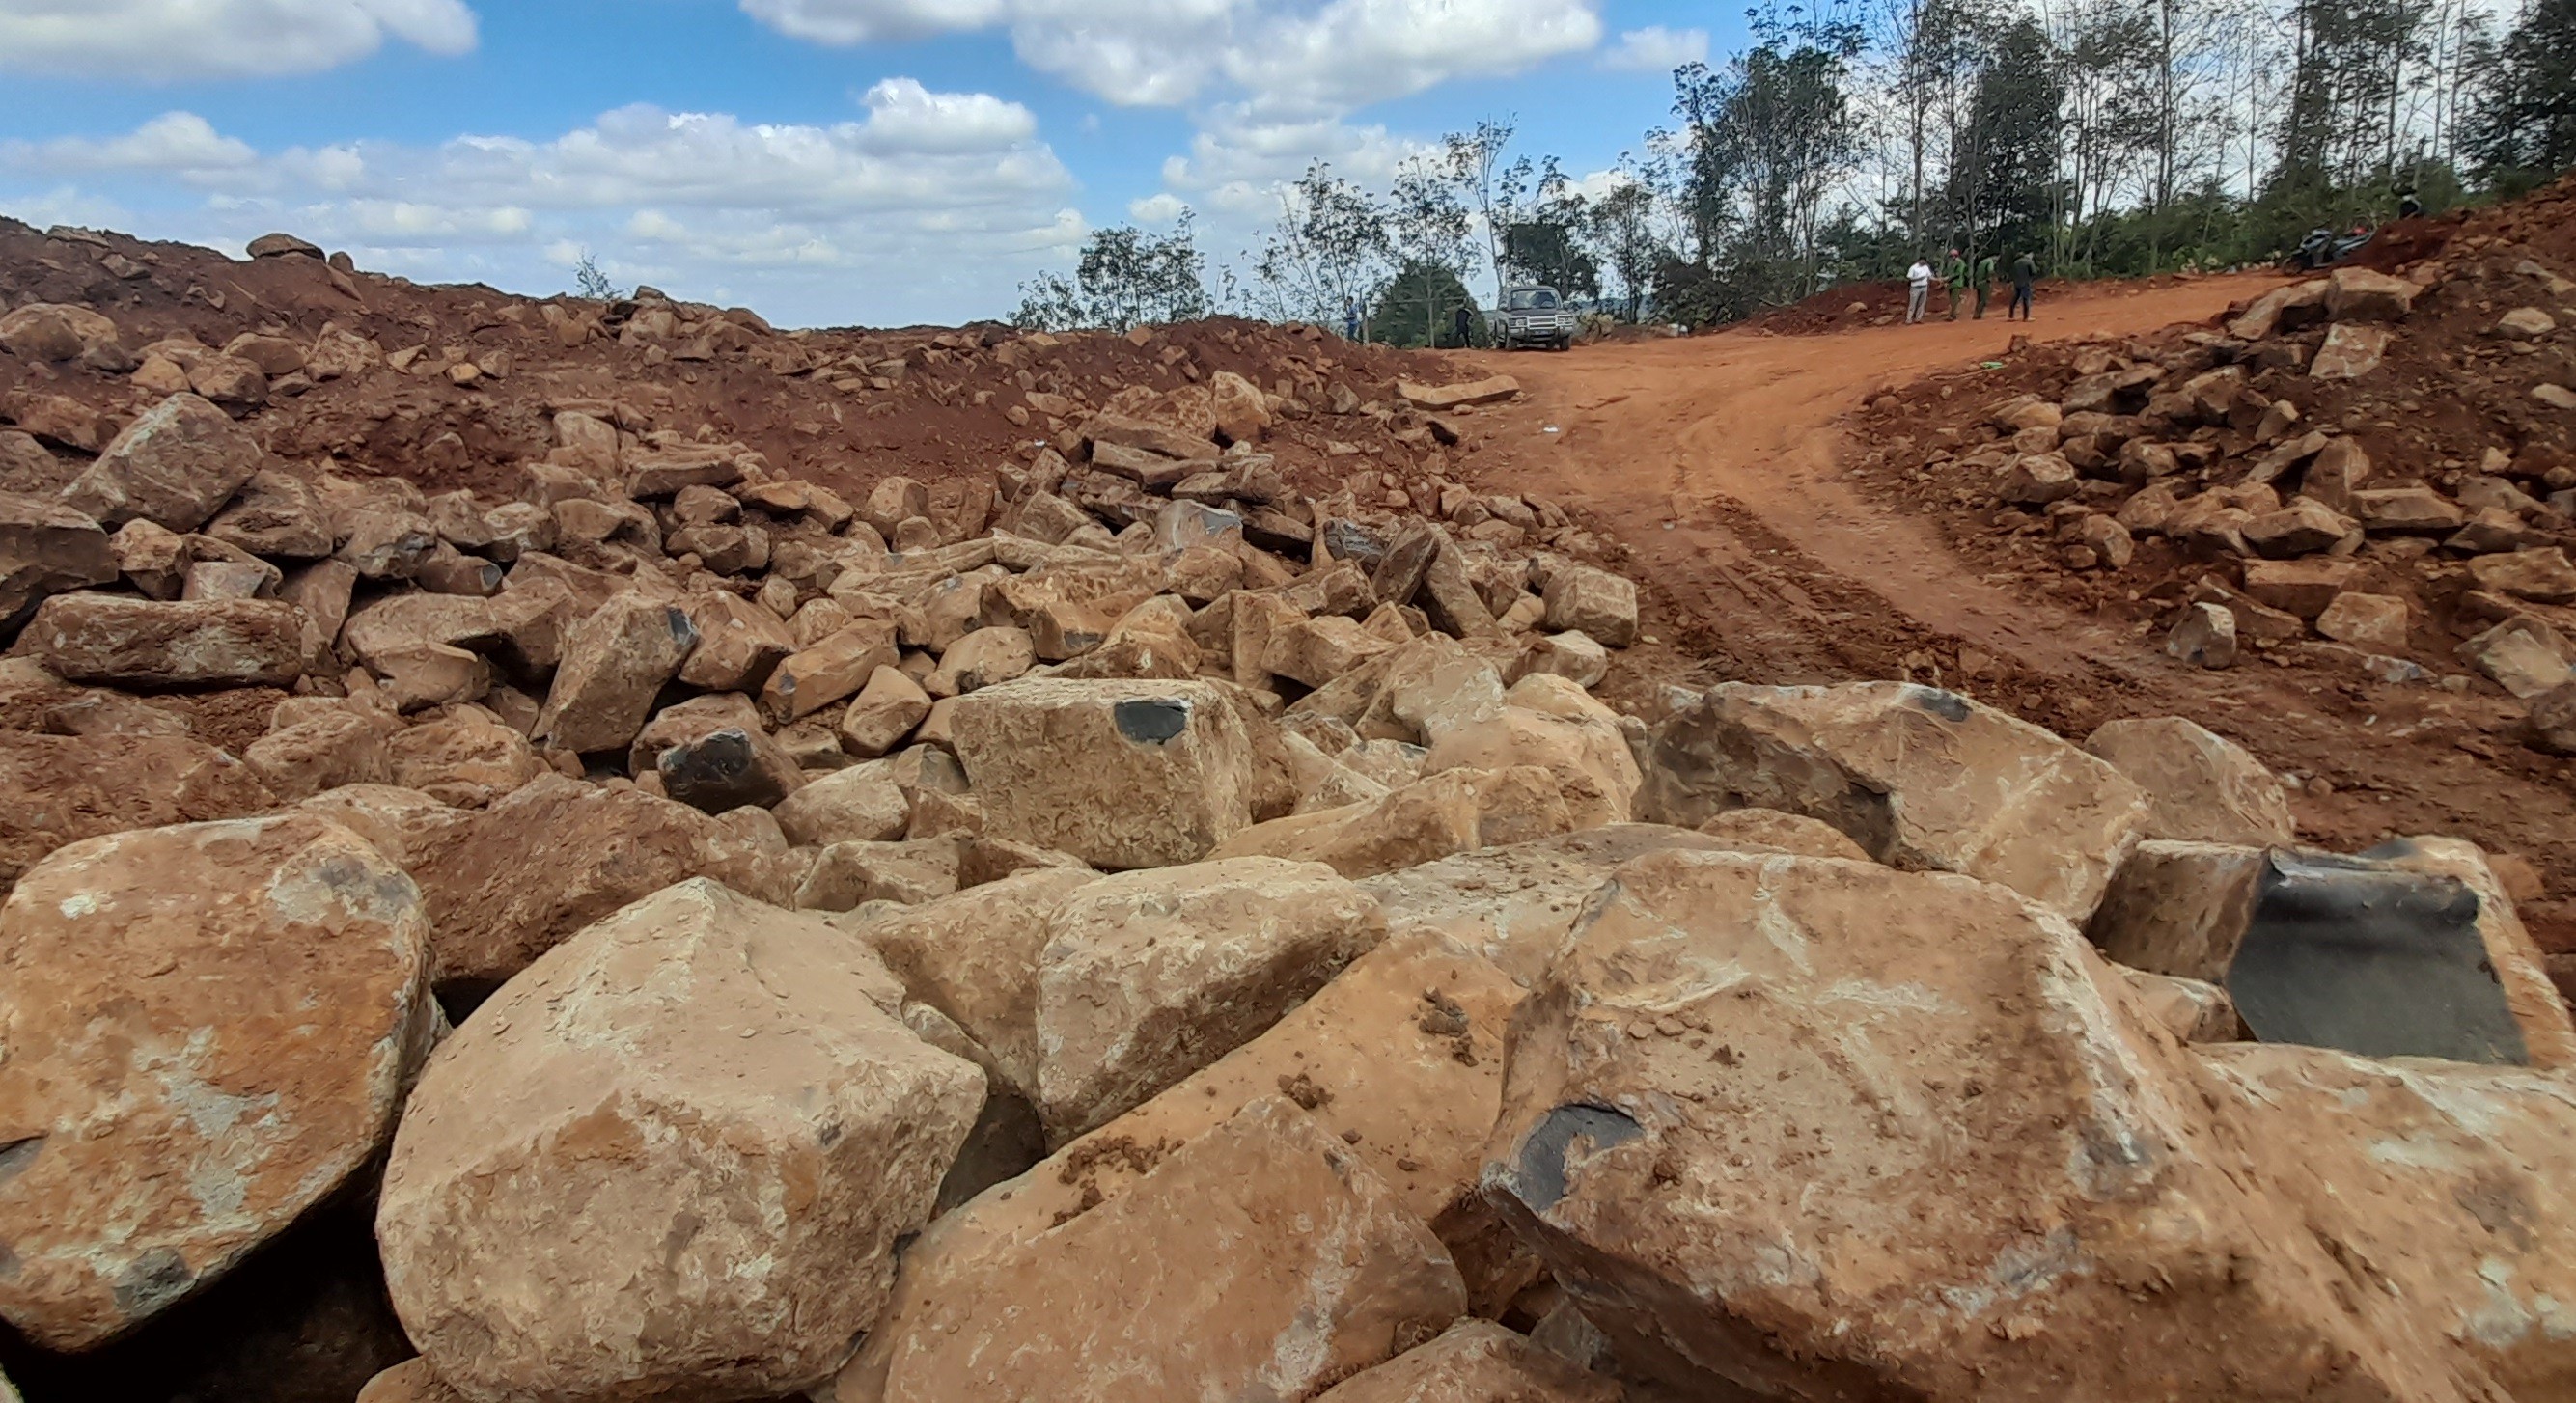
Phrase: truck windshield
(1526,299)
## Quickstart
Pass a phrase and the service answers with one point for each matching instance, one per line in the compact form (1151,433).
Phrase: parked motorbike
(2323,248)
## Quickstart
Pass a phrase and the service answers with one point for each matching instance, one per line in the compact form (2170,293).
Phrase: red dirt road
(1700,433)
(1720,462)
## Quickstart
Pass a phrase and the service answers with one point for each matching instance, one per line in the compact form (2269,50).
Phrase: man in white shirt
(1918,281)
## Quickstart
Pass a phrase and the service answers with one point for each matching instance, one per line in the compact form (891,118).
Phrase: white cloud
(822,222)
(1157,209)
(174,143)
(1278,53)
(1355,52)
(1655,49)
(166,40)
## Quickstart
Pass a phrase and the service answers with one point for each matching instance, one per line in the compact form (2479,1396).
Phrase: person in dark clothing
(1985,277)
(2408,207)
(1954,281)
(1462,325)
(2025,271)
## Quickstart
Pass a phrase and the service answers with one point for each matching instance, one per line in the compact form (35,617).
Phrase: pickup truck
(1534,316)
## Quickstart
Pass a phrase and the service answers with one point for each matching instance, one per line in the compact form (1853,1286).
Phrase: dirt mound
(843,407)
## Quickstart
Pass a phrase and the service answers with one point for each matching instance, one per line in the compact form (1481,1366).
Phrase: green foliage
(591,282)
(1325,252)
(1126,278)
(2524,123)
(1419,307)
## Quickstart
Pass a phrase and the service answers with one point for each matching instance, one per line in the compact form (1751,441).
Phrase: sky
(825,162)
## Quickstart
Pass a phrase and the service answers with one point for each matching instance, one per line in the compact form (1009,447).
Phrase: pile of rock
(1150,932)
(2291,538)
(1505,1061)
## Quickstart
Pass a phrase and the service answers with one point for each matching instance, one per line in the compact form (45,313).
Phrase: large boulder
(833,669)
(974,957)
(61,789)
(333,746)
(467,758)
(672,1161)
(1263,1259)
(150,643)
(713,754)
(1118,773)
(1594,602)
(861,804)
(1068,609)
(1922,779)
(2200,786)
(45,549)
(275,514)
(175,465)
(405,825)
(1515,905)
(1439,815)
(1475,1361)
(209,1029)
(1148,976)
(739,644)
(1550,722)
(559,854)
(614,664)
(61,331)
(1800,1128)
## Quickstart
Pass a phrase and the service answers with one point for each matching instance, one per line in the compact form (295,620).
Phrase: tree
(593,283)
(1126,278)
(1621,226)
(1324,253)
(2523,118)
(1543,219)
(1770,137)
(1428,229)
(1419,305)
(1475,165)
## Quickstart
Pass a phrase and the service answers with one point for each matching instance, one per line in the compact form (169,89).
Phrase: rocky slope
(2367,478)
(597,852)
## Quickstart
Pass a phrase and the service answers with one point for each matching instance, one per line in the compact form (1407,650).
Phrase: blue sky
(824,161)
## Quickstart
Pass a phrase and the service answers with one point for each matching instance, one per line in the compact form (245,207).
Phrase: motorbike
(2323,248)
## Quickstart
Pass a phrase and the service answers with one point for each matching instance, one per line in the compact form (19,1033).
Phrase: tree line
(1850,137)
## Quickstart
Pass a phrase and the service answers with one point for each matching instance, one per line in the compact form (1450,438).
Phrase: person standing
(1918,286)
(1985,276)
(1350,319)
(2025,271)
(1463,323)
(1954,281)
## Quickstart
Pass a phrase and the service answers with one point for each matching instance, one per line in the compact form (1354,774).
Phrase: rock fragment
(1920,778)
(174,466)
(2200,786)
(170,1098)
(1264,1257)
(675,1157)
(1119,774)
(147,643)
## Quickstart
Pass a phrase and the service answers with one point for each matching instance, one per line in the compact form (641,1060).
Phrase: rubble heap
(2370,472)
(1142,929)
